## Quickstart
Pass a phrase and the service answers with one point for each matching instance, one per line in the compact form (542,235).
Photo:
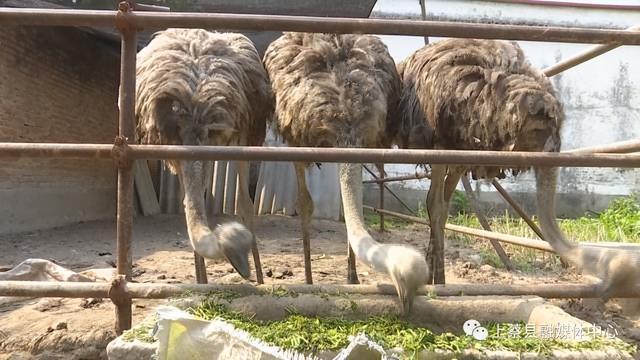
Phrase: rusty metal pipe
(53,150)
(58,17)
(126,129)
(149,7)
(454,157)
(332,155)
(584,56)
(163,291)
(621,147)
(627,146)
(416,176)
(384,186)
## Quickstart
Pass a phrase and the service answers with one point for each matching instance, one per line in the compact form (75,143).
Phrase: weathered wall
(56,85)
(601,97)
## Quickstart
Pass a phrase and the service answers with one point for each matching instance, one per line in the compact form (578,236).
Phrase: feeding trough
(286,325)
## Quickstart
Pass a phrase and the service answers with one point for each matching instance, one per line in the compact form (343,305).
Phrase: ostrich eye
(177,108)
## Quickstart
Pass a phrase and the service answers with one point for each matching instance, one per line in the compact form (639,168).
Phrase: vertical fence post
(381,199)
(126,128)
(423,12)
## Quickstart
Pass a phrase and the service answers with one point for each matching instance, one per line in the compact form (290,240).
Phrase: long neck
(364,246)
(545,196)
(202,238)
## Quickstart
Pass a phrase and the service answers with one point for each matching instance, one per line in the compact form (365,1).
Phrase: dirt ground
(81,328)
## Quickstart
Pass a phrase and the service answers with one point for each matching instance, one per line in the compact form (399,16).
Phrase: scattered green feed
(141,332)
(226,295)
(282,292)
(314,334)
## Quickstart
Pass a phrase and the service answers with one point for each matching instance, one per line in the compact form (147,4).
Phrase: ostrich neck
(202,239)
(546,199)
(364,246)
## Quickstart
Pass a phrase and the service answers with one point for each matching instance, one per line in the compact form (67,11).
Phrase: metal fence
(128,22)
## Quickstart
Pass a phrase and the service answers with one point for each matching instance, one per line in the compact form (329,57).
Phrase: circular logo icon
(480,333)
(469,325)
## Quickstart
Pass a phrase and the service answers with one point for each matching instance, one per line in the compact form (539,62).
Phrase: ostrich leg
(435,206)
(450,184)
(245,205)
(443,184)
(305,205)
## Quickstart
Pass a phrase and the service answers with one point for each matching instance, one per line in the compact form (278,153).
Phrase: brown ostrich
(196,87)
(473,95)
(484,95)
(342,91)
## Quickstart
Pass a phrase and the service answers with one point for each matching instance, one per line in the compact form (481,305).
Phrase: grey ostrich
(484,95)
(342,91)
(196,87)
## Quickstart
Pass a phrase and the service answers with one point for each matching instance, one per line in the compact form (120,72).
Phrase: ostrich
(196,87)
(342,91)
(484,95)
(473,95)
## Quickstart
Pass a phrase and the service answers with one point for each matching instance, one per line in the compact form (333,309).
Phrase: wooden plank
(144,188)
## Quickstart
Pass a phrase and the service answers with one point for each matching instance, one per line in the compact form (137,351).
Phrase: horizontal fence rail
(105,18)
(163,291)
(309,154)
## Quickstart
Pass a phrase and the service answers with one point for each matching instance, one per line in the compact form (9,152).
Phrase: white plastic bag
(182,336)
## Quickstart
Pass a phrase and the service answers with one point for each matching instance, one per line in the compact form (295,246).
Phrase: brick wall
(56,85)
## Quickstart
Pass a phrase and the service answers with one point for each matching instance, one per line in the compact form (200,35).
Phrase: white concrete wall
(601,97)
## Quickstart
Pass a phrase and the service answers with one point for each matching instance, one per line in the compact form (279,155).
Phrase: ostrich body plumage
(196,87)
(342,91)
(484,95)
(202,87)
(333,90)
(468,94)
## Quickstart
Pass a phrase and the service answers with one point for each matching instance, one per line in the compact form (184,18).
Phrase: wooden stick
(483,234)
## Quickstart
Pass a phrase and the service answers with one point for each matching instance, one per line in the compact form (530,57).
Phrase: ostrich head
(195,87)
(408,271)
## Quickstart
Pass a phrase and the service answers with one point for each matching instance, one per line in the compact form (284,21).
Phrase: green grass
(314,334)
(622,218)
(372,220)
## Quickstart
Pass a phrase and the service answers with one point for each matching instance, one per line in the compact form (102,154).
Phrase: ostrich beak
(406,300)
(239,262)
(236,242)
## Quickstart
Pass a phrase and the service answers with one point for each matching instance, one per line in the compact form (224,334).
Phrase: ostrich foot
(236,242)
